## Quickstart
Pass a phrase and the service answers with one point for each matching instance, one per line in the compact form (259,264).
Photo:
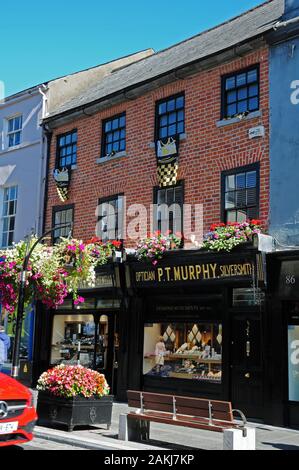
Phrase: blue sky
(45,40)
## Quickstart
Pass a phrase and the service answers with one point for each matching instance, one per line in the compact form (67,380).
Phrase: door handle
(247,376)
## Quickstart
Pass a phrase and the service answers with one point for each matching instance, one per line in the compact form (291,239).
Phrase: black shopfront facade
(86,334)
(283,303)
(196,326)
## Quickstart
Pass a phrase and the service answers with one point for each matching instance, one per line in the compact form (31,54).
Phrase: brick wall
(204,154)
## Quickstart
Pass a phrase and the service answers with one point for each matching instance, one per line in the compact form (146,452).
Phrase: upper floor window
(240,92)
(63,218)
(14,131)
(110,224)
(67,149)
(241,194)
(169,209)
(9,215)
(170,117)
(114,135)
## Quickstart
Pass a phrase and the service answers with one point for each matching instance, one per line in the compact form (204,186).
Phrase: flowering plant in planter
(72,381)
(224,237)
(154,247)
(102,251)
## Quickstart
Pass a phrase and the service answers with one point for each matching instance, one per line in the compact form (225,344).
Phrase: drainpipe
(284,24)
(48,134)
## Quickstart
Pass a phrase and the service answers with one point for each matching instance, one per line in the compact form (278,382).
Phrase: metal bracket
(174,408)
(210,414)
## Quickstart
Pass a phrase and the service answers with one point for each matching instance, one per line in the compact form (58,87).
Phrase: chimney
(291,9)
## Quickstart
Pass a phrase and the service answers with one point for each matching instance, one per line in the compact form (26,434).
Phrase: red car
(17,413)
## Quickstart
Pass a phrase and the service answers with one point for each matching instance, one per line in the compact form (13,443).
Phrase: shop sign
(102,281)
(193,273)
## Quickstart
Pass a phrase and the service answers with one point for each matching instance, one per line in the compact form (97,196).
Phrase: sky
(45,40)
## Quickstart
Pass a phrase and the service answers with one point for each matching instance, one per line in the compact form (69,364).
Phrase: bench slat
(217,426)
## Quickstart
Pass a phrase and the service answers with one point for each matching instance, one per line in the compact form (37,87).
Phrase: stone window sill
(236,120)
(114,157)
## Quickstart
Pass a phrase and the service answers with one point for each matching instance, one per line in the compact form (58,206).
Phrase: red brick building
(211,94)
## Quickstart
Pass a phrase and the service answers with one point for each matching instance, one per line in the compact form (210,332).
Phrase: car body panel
(15,394)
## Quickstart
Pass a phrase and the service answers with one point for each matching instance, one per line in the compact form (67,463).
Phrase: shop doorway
(89,339)
(246,365)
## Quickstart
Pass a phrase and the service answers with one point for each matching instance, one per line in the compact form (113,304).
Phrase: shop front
(196,324)
(284,291)
(87,334)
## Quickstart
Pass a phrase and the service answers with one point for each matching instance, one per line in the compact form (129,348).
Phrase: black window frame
(235,171)
(59,147)
(224,92)
(57,209)
(158,116)
(156,189)
(107,200)
(104,144)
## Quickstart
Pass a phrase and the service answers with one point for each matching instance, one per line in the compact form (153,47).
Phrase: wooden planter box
(71,412)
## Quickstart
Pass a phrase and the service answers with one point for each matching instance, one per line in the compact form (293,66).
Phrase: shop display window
(77,339)
(183,350)
(293,347)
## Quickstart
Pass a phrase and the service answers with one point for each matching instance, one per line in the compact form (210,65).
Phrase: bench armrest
(242,416)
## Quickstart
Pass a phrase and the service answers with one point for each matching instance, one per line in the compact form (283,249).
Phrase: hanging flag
(62,179)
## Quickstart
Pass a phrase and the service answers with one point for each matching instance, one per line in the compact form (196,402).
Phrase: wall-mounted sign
(192,273)
(255,132)
(289,279)
(167,151)
(62,179)
(102,281)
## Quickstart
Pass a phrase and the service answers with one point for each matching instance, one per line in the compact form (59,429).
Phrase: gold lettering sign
(196,272)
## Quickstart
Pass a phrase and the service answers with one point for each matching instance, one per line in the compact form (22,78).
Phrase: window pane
(181,116)
(12,223)
(122,133)
(231,97)
(180,128)
(230,200)
(241,216)
(242,106)
(122,121)
(252,76)
(109,138)
(172,130)
(242,94)
(230,83)
(181,350)
(17,138)
(68,139)
(61,141)
(163,121)
(116,135)
(241,198)
(122,145)
(180,102)
(161,197)
(231,216)
(251,179)
(74,137)
(172,118)
(253,90)
(10,125)
(241,181)
(115,146)
(162,108)
(163,132)
(11,140)
(115,124)
(108,126)
(241,79)
(231,110)
(251,197)
(109,148)
(230,182)
(253,104)
(171,105)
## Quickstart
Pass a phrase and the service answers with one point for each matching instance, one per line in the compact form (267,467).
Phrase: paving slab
(166,437)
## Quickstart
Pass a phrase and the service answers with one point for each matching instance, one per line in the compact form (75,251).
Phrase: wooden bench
(176,410)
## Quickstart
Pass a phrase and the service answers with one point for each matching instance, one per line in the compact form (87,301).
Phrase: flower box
(76,411)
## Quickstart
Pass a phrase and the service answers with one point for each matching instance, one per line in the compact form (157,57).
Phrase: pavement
(163,437)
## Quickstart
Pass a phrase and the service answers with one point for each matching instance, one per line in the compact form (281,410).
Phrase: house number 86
(290,280)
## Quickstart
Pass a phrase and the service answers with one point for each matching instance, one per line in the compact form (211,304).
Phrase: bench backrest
(188,406)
